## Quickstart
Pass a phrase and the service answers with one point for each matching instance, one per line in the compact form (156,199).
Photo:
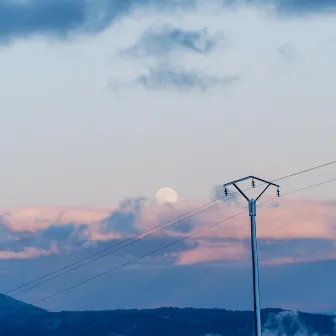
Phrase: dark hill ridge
(28,320)
(8,304)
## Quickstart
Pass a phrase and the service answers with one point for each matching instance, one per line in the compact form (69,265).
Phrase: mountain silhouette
(8,304)
(18,319)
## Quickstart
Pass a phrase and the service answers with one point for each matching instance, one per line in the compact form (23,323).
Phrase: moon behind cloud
(166,195)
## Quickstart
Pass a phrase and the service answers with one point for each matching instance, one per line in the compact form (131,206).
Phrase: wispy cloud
(178,78)
(39,218)
(160,44)
(27,253)
(161,41)
(227,251)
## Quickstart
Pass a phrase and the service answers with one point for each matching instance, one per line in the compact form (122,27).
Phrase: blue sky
(108,100)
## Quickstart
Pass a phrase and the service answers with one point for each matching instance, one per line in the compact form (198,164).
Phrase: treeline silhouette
(161,322)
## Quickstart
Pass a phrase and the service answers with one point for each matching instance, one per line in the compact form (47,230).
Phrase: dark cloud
(5,232)
(178,78)
(161,41)
(24,18)
(11,240)
(69,235)
(124,219)
(18,242)
(185,226)
(178,220)
(61,18)
(66,235)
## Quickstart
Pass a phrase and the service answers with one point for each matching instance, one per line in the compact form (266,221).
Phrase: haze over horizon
(104,102)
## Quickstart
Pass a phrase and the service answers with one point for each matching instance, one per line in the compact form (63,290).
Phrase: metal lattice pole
(252,203)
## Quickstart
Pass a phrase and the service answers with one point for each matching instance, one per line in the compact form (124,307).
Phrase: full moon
(166,195)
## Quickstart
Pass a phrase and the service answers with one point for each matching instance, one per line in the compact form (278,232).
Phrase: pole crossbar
(252,204)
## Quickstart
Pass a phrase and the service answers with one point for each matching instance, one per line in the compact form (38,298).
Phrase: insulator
(253,184)
(278,192)
(225,191)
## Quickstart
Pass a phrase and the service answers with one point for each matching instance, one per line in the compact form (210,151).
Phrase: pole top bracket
(249,178)
(234,183)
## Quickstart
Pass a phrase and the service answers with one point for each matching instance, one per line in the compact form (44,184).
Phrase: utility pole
(252,203)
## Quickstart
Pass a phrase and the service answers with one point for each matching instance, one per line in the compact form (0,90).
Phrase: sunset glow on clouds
(57,230)
(27,253)
(213,252)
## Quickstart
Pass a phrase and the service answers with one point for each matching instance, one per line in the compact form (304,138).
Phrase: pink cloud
(305,259)
(291,219)
(214,252)
(27,253)
(37,218)
(94,235)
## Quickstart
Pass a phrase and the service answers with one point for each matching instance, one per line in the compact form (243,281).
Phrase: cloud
(286,50)
(163,40)
(178,78)
(54,239)
(303,259)
(38,218)
(294,232)
(60,18)
(184,226)
(63,235)
(27,253)
(5,232)
(123,220)
(67,18)
(294,251)
(25,18)
(213,252)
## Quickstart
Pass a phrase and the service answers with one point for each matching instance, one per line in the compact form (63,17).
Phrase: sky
(103,102)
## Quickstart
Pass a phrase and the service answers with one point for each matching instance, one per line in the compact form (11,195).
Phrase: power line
(111,246)
(132,240)
(300,189)
(171,244)
(110,252)
(136,259)
(306,170)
